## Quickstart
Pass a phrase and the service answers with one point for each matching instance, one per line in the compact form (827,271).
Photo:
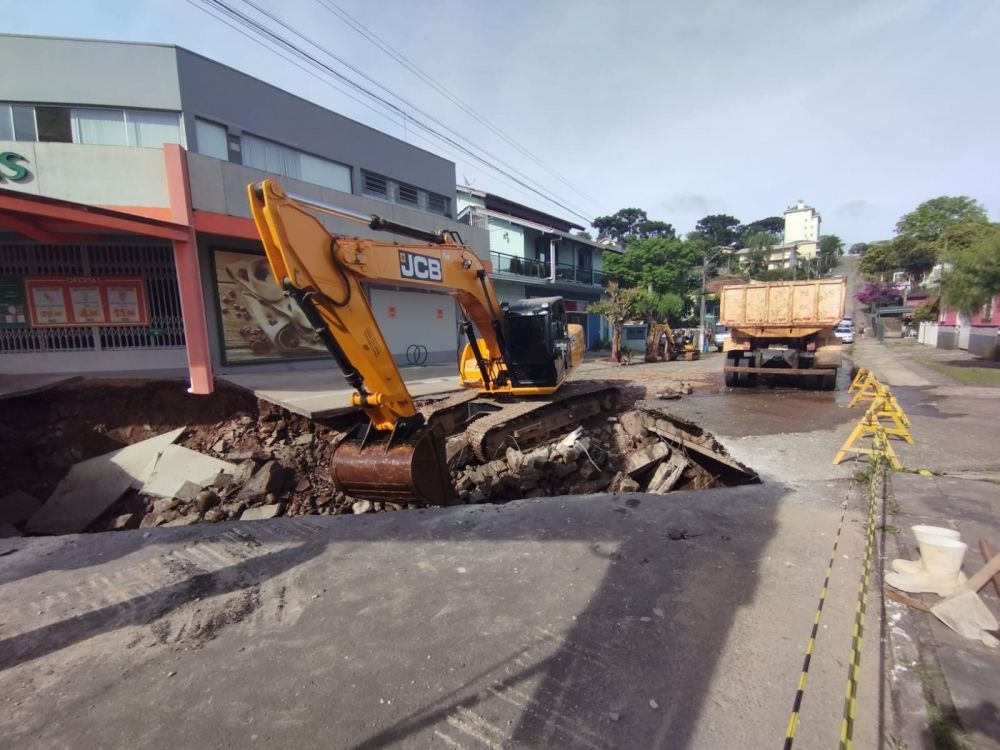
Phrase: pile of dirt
(281,460)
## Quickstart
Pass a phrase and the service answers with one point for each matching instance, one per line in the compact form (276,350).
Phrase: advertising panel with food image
(259,322)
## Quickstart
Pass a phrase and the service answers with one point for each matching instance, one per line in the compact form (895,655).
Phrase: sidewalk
(954,427)
(323,393)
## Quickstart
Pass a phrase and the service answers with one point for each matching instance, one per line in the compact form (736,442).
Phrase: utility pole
(701,317)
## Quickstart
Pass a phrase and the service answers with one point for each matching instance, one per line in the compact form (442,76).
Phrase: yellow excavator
(521,356)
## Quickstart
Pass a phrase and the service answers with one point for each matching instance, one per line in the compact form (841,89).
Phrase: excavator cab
(537,341)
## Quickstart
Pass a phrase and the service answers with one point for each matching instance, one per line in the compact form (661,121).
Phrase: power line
(337,87)
(276,39)
(562,202)
(399,57)
(299,65)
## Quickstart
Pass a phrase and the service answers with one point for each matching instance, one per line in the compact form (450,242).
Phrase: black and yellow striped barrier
(884,418)
(879,454)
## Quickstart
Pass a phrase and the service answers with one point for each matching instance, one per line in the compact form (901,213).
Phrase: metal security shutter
(154,263)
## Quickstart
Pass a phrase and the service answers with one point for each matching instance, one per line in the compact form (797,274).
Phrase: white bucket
(942,557)
(930,533)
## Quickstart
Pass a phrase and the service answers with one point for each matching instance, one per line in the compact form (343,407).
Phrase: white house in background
(800,238)
(535,254)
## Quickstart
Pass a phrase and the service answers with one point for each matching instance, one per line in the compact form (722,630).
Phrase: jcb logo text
(413,266)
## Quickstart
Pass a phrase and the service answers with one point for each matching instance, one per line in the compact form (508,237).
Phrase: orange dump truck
(784,328)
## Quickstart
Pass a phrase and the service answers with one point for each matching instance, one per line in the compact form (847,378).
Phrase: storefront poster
(13,310)
(75,302)
(258,321)
(124,304)
(88,307)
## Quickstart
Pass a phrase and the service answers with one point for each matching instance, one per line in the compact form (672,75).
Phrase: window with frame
(269,156)
(437,204)
(375,185)
(408,194)
(100,126)
(210,139)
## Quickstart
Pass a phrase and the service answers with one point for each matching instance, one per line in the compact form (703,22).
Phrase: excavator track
(523,424)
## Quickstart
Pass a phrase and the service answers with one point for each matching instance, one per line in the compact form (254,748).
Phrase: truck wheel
(828,382)
(747,379)
(732,378)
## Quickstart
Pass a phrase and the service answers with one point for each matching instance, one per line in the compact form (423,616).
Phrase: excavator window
(532,359)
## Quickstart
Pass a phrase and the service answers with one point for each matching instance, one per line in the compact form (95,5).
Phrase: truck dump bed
(810,304)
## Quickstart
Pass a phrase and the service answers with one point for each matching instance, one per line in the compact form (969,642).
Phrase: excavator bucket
(371,465)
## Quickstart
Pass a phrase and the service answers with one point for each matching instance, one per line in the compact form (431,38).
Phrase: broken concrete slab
(262,513)
(667,474)
(188,491)
(638,462)
(268,480)
(91,486)
(17,507)
(177,466)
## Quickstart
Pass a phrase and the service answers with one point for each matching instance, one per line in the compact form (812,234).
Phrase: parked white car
(845,332)
(722,335)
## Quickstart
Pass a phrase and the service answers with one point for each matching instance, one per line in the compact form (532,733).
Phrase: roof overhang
(55,221)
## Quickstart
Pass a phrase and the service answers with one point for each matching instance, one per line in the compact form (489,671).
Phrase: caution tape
(793,721)
(882,458)
(880,475)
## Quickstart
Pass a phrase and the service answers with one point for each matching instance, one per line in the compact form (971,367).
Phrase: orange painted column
(199,354)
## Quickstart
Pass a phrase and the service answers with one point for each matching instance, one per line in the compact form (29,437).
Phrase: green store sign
(9,167)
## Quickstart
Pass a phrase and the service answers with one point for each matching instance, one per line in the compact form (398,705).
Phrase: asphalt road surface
(554,622)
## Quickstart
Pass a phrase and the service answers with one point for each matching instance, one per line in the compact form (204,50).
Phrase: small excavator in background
(516,358)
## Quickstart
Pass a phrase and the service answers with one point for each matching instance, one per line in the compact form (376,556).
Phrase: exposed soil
(282,459)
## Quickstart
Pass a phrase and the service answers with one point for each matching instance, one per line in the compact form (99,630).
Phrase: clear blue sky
(863,109)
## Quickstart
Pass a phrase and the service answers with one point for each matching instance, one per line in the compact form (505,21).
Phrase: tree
(617,306)
(974,277)
(756,263)
(914,256)
(718,229)
(630,223)
(931,218)
(659,264)
(583,235)
(831,247)
(772,225)
(879,294)
(760,245)
(879,259)
(858,248)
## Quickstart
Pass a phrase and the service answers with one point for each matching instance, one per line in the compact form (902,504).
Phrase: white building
(802,229)
(535,254)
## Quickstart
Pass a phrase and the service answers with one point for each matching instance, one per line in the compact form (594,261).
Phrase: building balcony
(528,268)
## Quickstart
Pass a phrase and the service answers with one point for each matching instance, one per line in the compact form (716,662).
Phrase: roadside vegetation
(660,273)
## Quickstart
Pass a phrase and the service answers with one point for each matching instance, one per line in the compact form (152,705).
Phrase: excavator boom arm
(324,274)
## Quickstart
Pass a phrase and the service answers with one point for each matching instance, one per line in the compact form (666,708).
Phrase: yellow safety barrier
(884,418)
(869,426)
(866,389)
(885,406)
(859,378)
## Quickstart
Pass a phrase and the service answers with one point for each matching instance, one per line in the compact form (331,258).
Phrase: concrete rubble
(273,463)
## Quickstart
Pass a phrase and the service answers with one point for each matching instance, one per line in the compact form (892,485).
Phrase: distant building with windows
(125,234)
(536,254)
(800,239)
